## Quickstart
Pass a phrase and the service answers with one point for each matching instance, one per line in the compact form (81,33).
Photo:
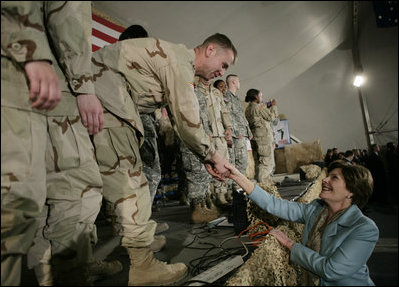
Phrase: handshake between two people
(220,168)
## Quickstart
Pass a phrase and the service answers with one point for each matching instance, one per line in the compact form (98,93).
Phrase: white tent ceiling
(298,52)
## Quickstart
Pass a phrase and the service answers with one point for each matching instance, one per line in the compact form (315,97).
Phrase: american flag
(104,32)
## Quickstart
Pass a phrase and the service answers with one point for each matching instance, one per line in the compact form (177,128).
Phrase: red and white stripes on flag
(104,32)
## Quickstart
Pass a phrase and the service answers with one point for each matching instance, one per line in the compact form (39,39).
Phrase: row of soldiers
(71,132)
(72,124)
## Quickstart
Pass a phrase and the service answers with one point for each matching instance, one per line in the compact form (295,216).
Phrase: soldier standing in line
(260,117)
(149,150)
(195,180)
(221,126)
(222,87)
(50,182)
(238,151)
(149,72)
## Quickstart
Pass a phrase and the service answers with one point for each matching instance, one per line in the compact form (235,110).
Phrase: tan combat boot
(145,270)
(99,269)
(200,213)
(229,196)
(161,227)
(158,243)
(221,199)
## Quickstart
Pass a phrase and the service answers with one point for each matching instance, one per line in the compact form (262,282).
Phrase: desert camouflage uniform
(260,119)
(241,132)
(196,179)
(149,153)
(46,154)
(219,120)
(145,72)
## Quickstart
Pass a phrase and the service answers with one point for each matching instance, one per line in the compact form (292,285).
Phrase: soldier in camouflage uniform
(46,153)
(149,72)
(196,180)
(220,122)
(260,117)
(221,86)
(149,150)
(238,151)
(241,131)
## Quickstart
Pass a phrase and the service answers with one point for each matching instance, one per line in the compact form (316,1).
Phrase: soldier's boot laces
(145,270)
(100,269)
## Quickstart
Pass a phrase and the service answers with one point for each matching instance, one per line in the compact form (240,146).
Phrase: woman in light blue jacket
(337,239)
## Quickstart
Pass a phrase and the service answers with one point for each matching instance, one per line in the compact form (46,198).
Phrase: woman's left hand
(282,238)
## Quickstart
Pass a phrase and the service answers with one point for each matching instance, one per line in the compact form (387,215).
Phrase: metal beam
(358,68)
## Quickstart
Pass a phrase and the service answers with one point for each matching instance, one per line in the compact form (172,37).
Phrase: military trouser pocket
(117,149)
(63,150)
(264,149)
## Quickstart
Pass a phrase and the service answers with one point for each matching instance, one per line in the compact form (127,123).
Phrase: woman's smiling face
(334,187)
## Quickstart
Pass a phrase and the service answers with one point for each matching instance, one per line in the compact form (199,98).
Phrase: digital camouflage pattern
(260,119)
(38,144)
(149,153)
(241,132)
(236,111)
(219,121)
(196,178)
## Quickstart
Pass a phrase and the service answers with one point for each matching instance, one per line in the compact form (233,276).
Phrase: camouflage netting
(311,171)
(269,264)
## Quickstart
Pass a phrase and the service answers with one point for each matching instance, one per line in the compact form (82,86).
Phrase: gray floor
(190,244)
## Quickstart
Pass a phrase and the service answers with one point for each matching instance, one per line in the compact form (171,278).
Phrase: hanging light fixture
(359,76)
(359,80)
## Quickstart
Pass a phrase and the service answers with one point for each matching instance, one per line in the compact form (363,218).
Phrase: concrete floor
(189,243)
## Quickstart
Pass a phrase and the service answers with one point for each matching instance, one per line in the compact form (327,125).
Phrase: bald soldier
(149,72)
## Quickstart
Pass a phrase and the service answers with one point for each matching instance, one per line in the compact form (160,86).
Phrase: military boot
(200,213)
(229,196)
(43,274)
(99,269)
(221,199)
(161,227)
(145,270)
(158,243)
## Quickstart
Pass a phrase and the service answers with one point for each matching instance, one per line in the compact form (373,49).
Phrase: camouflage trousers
(238,155)
(263,152)
(47,165)
(150,155)
(126,189)
(197,180)
(220,145)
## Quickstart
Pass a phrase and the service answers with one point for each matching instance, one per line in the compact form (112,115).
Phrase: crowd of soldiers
(78,131)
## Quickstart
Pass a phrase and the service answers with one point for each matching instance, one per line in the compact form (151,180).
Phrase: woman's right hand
(234,172)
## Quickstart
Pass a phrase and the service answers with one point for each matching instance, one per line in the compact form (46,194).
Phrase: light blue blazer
(346,245)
